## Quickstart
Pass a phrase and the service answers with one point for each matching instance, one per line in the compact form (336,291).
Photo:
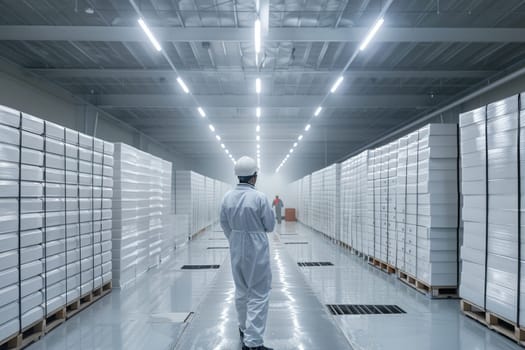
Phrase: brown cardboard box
(289,214)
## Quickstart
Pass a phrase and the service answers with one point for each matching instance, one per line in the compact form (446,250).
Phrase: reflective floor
(148,315)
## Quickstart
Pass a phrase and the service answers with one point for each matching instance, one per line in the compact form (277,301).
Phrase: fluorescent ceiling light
(258,128)
(372,33)
(295,144)
(258,138)
(291,150)
(222,145)
(307,127)
(318,111)
(258,112)
(149,34)
(336,84)
(183,85)
(300,137)
(218,137)
(201,112)
(258,86)
(212,128)
(257,35)
(258,146)
(227,152)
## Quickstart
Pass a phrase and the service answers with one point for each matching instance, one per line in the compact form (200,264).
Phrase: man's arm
(268,216)
(225,224)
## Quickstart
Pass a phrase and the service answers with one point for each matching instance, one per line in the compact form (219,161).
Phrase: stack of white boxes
(32,289)
(347,202)
(72,230)
(155,211)
(411,204)
(383,190)
(474,211)
(138,214)
(354,201)
(167,235)
(107,213)
(378,203)
(437,205)
(392,202)
(401,198)
(371,205)
(55,214)
(86,214)
(362,202)
(124,237)
(503,201)
(9,215)
(56,218)
(198,198)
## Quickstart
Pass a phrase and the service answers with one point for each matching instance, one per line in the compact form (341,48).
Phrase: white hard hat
(245,166)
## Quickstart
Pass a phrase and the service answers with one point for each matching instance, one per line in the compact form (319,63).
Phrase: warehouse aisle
(427,324)
(147,315)
(296,320)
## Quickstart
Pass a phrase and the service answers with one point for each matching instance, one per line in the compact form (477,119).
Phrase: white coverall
(246,218)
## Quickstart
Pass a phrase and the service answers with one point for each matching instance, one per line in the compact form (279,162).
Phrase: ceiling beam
(167,74)
(248,101)
(127,34)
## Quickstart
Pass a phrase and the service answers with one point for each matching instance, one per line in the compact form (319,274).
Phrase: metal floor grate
(218,247)
(199,267)
(295,242)
(315,263)
(356,309)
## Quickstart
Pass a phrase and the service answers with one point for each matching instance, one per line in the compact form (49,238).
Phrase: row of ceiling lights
(182,84)
(373,31)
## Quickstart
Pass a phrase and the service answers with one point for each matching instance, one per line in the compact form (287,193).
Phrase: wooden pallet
(107,288)
(10,343)
(493,321)
(435,292)
(55,319)
(72,308)
(31,333)
(383,266)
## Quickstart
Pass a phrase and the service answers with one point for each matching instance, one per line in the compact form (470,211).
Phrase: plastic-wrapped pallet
(55,216)
(72,178)
(437,203)
(346,202)
(32,223)
(107,213)
(195,195)
(491,157)
(9,196)
(370,206)
(401,197)
(124,238)
(167,236)
(503,196)
(411,204)
(136,214)
(392,200)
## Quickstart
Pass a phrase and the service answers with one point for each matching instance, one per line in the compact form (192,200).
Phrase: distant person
(247,218)
(278,205)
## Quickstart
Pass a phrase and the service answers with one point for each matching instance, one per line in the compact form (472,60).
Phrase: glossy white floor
(144,316)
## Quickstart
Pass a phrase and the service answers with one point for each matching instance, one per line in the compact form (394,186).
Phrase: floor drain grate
(199,267)
(289,234)
(218,247)
(348,309)
(315,263)
(295,242)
